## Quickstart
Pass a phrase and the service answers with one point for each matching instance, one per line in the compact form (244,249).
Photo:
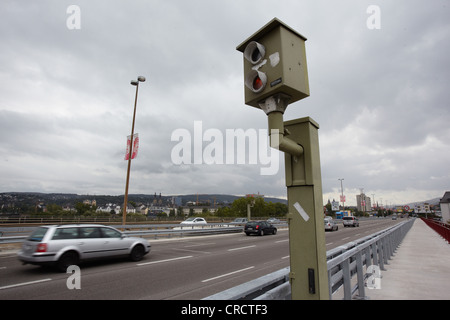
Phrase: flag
(135,147)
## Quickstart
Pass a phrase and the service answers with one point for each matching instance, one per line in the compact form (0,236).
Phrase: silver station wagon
(65,245)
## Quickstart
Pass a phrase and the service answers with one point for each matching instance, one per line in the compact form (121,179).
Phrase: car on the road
(260,228)
(273,220)
(350,222)
(194,221)
(65,245)
(239,221)
(330,224)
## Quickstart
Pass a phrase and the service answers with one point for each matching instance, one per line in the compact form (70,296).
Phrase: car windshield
(38,234)
(348,218)
(190,219)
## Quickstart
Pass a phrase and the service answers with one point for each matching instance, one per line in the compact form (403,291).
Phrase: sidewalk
(419,269)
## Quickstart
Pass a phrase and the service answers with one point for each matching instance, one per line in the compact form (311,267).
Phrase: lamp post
(342,195)
(136,84)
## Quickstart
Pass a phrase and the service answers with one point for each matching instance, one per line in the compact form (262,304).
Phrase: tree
(54,209)
(224,212)
(82,208)
(281,209)
(328,207)
(260,208)
(239,207)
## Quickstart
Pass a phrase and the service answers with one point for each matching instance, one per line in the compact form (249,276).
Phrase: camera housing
(274,63)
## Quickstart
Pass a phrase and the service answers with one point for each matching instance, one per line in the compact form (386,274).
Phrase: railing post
(330,285)
(368,256)
(389,247)
(360,275)
(374,254)
(347,278)
(387,250)
(380,254)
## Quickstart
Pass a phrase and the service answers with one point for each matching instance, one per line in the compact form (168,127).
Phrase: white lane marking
(160,261)
(302,212)
(285,257)
(24,284)
(228,274)
(240,248)
(281,241)
(189,250)
(199,245)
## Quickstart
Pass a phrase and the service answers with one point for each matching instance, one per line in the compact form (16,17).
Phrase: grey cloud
(380,96)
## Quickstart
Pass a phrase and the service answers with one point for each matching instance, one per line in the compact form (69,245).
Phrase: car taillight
(257,226)
(41,247)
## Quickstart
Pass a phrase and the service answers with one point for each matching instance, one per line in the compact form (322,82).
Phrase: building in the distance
(445,207)
(363,202)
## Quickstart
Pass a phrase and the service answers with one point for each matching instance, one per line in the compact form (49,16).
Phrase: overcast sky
(381,96)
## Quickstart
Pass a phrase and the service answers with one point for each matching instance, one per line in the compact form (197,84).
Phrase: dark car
(259,227)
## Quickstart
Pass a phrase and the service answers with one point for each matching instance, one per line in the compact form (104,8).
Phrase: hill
(433,202)
(19,199)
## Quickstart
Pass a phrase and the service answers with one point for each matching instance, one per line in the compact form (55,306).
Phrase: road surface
(186,268)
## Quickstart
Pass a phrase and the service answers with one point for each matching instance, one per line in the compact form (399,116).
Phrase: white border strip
(228,274)
(24,284)
(159,261)
(241,248)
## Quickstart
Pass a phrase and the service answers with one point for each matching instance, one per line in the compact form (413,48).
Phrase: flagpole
(124,215)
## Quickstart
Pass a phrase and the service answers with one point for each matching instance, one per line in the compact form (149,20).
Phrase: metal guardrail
(140,230)
(375,250)
(185,231)
(353,258)
(258,288)
(441,228)
(148,226)
(156,230)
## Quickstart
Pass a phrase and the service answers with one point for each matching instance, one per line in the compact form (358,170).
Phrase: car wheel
(274,231)
(137,253)
(67,259)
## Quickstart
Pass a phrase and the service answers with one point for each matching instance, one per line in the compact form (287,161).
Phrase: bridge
(413,264)
(420,268)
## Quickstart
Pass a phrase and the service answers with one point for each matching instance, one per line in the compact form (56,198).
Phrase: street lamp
(342,195)
(136,84)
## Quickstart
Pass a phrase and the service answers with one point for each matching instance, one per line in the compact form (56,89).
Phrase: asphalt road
(186,268)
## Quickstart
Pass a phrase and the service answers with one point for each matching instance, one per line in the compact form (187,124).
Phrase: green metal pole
(300,141)
(309,276)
